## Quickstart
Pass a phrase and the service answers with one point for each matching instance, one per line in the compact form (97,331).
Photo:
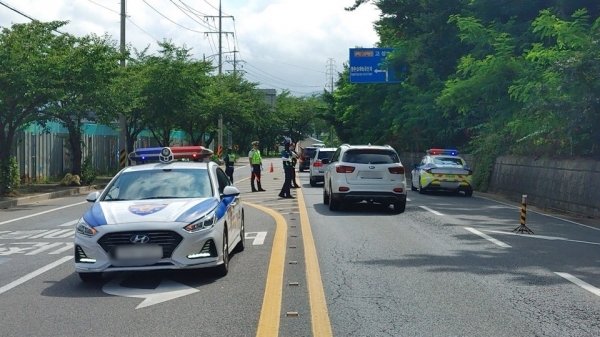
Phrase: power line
(283,80)
(188,15)
(293,65)
(161,14)
(95,3)
(25,15)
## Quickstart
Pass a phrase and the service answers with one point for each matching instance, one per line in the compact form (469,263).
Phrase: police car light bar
(169,154)
(450,152)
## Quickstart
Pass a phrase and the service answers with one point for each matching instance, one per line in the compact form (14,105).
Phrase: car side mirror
(230,191)
(325,160)
(92,197)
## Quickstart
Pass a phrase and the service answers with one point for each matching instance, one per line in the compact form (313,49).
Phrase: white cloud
(284,43)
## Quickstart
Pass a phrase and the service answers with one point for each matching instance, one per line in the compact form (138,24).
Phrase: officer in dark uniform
(286,157)
(229,160)
(294,162)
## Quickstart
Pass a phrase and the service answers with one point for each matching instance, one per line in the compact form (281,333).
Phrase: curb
(46,196)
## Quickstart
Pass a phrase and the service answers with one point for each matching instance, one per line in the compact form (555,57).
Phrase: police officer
(256,164)
(229,161)
(294,162)
(288,168)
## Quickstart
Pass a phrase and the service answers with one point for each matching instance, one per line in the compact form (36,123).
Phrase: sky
(294,45)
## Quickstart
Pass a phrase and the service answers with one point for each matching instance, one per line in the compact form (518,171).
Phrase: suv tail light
(396,170)
(344,169)
(318,163)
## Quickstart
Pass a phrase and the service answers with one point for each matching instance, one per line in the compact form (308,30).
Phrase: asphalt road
(448,266)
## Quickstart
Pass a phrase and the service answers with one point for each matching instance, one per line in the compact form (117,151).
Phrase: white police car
(442,170)
(164,214)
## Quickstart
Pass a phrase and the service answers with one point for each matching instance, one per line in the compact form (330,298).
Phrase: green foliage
(88,174)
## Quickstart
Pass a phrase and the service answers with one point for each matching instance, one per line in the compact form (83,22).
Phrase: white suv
(365,173)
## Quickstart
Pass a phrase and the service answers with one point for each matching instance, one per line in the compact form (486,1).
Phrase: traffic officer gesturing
(256,163)
(288,168)
(229,161)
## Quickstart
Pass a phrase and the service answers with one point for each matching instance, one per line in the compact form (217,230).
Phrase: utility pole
(330,74)
(220,65)
(122,120)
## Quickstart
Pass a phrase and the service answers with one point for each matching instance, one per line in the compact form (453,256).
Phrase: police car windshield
(158,184)
(447,161)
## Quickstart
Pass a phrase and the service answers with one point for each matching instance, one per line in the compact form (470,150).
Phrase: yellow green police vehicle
(442,170)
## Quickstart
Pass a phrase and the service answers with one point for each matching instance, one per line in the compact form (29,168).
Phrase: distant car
(317,145)
(316,172)
(370,173)
(304,161)
(442,170)
(161,215)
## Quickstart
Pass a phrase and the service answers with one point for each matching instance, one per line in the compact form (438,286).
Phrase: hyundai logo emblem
(139,239)
(371,167)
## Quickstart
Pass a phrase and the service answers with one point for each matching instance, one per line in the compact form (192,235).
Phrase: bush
(88,174)
(14,177)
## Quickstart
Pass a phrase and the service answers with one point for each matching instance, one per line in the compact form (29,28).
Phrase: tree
(88,66)
(30,57)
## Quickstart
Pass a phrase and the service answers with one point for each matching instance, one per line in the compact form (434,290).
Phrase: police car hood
(156,210)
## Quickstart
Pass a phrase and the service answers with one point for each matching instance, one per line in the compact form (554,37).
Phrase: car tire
(421,189)
(90,277)
(399,206)
(222,269)
(334,203)
(242,244)
(325,197)
(300,169)
(313,183)
(469,193)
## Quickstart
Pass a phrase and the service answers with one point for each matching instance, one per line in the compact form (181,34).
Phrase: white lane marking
(543,237)
(63,233)
(432,211)
(33,274)
(548,215)
(44,212)
(487,237)
(70,223)
(166,290)
(407,199)
(259,237)
(68,246)
(580,283)
(44,248)
(44,234)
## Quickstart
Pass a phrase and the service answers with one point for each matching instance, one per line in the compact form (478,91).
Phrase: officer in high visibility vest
(229,160)
(288,168)
(256,164)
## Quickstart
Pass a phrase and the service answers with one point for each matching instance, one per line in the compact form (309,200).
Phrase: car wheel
(399,207)
(469,193)
(242,244)
(300,169)
(90,277)
(313,183)
(334,203)
(421,189)
(325,197)
(222,269)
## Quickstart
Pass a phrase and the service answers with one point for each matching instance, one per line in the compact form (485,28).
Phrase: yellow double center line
(268,324)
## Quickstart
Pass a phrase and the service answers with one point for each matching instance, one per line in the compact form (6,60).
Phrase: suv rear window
(369,156)
(325,154)
(309,152)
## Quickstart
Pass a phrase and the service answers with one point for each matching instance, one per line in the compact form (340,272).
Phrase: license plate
(140,254)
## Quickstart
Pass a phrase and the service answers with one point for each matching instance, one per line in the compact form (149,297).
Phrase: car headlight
(84,229)
(206,222)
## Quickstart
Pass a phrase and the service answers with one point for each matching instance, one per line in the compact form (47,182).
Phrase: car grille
(168,240)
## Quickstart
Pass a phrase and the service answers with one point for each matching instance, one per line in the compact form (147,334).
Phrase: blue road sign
(366,66)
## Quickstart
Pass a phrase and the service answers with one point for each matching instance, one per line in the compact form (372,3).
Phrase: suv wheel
(399,206)
(334,203)
(325,197)
(469,193)
(421,189)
